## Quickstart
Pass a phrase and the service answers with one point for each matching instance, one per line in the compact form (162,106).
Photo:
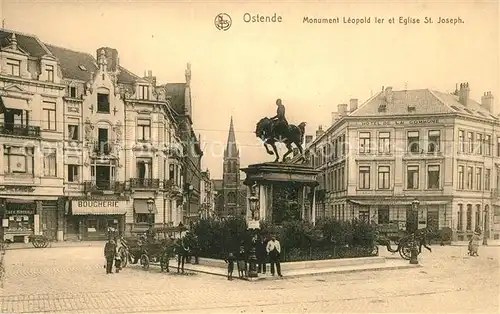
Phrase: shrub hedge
(300,240)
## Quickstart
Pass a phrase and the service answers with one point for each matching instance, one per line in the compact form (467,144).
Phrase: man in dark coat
(109,254)
(261,253)
(280,125)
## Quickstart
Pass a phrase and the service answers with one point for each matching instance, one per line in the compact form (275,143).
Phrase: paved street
(72,279)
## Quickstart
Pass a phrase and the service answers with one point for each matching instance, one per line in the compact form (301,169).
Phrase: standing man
(261,255)
(109,254)
(280,128)
(274,250)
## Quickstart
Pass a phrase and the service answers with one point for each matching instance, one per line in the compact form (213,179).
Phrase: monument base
(281,189)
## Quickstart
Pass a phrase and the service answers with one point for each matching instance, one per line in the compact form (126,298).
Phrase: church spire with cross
(231,150)
(231,176)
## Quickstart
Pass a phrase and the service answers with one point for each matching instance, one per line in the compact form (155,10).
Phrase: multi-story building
(440,149)
(31,133)
(108,142)
(231,193)
(207,196)
(180,98)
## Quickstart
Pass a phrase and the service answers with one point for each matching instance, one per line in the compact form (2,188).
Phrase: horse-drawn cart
(39,241)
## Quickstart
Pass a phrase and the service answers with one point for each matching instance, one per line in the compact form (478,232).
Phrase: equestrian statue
(276,129)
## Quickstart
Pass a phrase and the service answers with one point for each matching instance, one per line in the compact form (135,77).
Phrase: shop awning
(28,198)
(395,202)
(97,207)
(13,103)
(141,206)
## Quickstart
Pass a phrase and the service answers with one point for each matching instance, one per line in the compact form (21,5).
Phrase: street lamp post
(252,258)
(485,227)
(150,204)
(414,248)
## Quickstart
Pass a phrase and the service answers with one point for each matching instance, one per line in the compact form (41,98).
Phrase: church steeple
(231,147)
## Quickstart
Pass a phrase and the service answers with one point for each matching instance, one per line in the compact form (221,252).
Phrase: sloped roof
(424,101)
(71,61)
(473,107)
(177,93)
(28,43)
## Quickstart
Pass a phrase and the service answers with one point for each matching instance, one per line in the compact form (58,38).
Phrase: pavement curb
(56,246)
(340,271)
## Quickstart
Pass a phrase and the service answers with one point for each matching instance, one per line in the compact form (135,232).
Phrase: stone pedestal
(269,182)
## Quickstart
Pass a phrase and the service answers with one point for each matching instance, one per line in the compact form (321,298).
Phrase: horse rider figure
(280,124)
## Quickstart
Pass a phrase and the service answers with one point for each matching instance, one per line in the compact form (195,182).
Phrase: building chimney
(463,93)
(150,73)
(319,131)
(353,104)
(335,117)
(342,109)
(388,94)
(113,61)
(309,139)
(487,101)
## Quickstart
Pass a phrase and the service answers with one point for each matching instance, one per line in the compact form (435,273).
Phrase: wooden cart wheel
(124,255)
(374,251)
(405,250)
(35,243)
(45,243)
(145,261)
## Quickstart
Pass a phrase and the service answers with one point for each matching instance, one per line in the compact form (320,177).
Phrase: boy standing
(230,266)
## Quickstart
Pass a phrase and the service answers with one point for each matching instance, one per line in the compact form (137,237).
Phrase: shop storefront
(19,220)
(90,219)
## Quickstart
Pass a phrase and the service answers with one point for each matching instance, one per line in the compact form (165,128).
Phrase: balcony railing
(19,130)
(143,183)
(103,185)
(102,148)
(171,186)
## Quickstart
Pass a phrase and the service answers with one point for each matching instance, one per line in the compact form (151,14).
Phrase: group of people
(265,250)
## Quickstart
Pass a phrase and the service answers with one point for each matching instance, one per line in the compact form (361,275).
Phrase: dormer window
(72,92)
(82,67)
(382,108)
(14,67)
(49,69)
(143,92)
(411,108)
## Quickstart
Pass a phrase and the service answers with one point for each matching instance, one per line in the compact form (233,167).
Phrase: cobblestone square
(72,279)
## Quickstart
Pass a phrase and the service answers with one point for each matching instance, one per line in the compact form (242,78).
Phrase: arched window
(469,218)
(478,217)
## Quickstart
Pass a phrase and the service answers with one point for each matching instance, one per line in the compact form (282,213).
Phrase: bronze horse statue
(295,135)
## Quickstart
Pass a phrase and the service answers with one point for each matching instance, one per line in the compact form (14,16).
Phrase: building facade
(87,144)
(31,133)
(231,193)
(207,204)
(440,149)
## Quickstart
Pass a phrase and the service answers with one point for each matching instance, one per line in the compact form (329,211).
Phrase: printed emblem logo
(223,21)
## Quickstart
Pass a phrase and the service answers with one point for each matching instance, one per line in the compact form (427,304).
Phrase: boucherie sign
(97,207)
(96,203)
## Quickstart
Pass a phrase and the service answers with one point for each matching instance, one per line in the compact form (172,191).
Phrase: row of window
(412,175)
(476,143)
(332,151)
(413,140)
(143,133)
(333,179)
(14,69)
(477,214)
(472,182)
(21,160)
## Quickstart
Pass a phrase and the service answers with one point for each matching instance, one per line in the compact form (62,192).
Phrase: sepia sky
(312,67)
